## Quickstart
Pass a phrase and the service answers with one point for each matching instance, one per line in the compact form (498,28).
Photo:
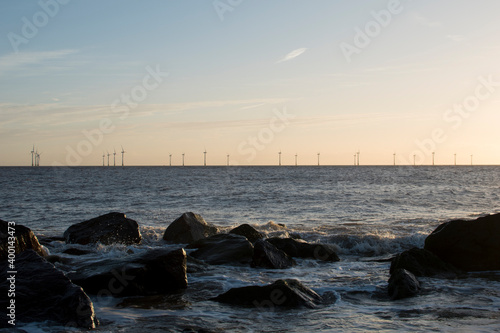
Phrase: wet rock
(423,263)
(268,256)
(76,252)
(42,292)
(403,284)
(106,229)
(468,245)
(247,231)
(282,293)
(25,239)
(155,272)
(301,249)
(223,249)
(188,228)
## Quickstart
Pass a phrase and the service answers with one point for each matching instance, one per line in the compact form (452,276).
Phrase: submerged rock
(155,272)
(247,231)
(423,263)
(25,239)
(223,249)
(188,228)
(268,256)
(403,284)
(42,292)
(468,245)
(106,229)
(301,249)
(282,293)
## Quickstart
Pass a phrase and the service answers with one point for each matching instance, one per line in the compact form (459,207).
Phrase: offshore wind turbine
(296,159)
(170,159)
(455,155)
(123,152)
(357,154)
(433,158)
(33,156)
(183,159)
(394,155)
(103,156)
(318,158)
(108,157)
(227,159)
(114,156)
(37,158)
(279,154)
(205,157)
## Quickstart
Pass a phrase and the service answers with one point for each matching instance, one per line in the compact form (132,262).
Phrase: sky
(397,81)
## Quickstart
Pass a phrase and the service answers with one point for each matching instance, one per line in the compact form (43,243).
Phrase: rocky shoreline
(453,249)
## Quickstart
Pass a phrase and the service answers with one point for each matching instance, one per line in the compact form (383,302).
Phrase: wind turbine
(455,158)
(227,159)
(296,158)
(279,154)
(205,157)
(114,156)
(37,158)
(433,158)
(32,156)
(183,159)
(354,159)
(123,152)
(108,157)
(170,159)
(318,158)
(103,156)
(394,155)
(357,154)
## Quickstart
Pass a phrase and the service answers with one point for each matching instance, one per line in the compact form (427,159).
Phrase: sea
(368,213)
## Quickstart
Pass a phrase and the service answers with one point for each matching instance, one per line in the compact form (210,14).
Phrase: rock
(301,249)
(155,272)
(423,263)
(188,228)
(468,245)
(25,239)
(106,229)
(76,252)
(403,284)
(42,292)
(247,231)
(267,255)
(282,293)
(223,249)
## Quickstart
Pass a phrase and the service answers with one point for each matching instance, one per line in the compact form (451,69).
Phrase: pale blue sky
(228,78)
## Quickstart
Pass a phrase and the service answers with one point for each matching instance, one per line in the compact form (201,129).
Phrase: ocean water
(368,213)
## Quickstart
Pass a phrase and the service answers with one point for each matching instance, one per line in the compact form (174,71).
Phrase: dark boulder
(156,272)
(106,229)
(188,228)
(267,255)
(301,249)
(468,245)
(247,231)
(282,293)
(24,239)
(223,249)
(42,292)
(403,284)
(423,263)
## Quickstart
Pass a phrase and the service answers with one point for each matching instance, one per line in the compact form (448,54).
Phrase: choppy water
(367,212)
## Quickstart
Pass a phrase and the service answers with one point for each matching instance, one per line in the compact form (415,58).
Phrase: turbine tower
(103,156)
(123,152)
(33,156)
(354,159)
(37,158)
(433,158)
(108,157)
(455,158)
(183,159)
(114,157)
(170,159)
(357,154)
(227,159)
(318,158)
(279,154)
(296,159)
(394,156)
(205,157)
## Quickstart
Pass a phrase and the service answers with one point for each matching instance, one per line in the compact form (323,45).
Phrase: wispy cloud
(292,55)
(425,21)
(22,61)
